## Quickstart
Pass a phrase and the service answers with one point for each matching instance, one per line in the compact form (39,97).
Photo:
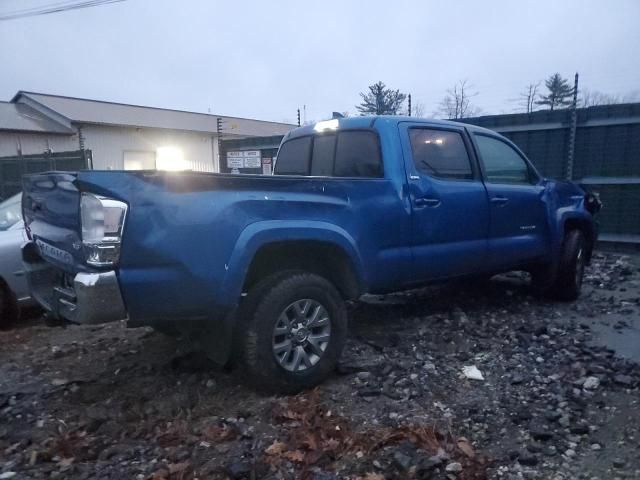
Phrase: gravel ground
(558,400)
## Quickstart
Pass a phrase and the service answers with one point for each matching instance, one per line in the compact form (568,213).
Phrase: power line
(64,3)
(55,8)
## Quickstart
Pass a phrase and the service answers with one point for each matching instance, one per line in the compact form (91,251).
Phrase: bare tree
(592,98)
(418,110)
(631,97)
(529,97)
(457,102)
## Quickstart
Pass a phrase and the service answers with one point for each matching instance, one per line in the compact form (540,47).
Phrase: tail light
(102,224)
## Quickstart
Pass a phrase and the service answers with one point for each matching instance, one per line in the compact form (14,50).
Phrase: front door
(450,212)
(519,227)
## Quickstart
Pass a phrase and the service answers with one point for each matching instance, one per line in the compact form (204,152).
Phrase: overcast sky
(264,59)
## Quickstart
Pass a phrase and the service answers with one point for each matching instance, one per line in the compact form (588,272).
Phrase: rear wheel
(293,329)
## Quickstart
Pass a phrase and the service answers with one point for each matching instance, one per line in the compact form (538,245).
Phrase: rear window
(357,155)
(293,157)
(322,157)
(352,153)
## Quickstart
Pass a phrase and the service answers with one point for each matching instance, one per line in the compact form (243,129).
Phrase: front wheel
(567,282)
(293,329)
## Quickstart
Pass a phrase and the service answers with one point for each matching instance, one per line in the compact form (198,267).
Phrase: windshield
(10,211)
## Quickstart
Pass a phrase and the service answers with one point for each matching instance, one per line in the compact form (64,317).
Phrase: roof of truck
(370,121)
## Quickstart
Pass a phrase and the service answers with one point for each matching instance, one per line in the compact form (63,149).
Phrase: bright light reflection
(326,125)
(170,158)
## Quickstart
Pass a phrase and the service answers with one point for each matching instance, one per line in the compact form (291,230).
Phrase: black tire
(542,279)
(567,283)
(264,308)
(9,310)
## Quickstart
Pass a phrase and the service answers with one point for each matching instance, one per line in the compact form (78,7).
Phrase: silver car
(14,292)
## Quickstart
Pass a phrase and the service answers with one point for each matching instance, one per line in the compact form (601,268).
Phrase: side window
(440,153)
(293,157)
(358,155)
(502,164)
(322,158)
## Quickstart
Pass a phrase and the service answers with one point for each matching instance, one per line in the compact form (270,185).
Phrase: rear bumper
(87,298)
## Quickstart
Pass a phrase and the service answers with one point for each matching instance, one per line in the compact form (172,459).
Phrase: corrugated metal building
(25,130)
(120,136)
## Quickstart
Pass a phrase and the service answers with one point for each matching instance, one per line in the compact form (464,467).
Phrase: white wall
(108,144)
(35,143)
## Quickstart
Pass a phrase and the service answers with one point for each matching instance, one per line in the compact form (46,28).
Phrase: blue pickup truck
(258,268)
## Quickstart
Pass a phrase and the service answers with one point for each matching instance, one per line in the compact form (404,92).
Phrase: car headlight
(102,224)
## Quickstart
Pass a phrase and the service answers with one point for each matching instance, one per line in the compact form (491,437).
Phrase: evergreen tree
(381,100)
(560,92)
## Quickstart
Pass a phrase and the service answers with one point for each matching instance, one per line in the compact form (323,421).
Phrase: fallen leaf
(178,467)
(160,474)
(65,462)
(295,456)
(332,444)
(276,448)
(373,476)
(310,441)
(465,446)
(223,433)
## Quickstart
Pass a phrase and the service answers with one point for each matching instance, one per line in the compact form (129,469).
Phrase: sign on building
(244,159)
(252,159)
(235,160)
(267,166)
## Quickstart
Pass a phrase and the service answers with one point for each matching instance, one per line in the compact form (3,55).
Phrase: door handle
(426,202)
(499,200)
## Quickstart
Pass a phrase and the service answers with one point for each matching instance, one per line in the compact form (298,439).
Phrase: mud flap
(213,337)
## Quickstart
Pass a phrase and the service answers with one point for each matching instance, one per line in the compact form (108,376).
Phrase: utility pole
(219,132)
(409,100)
(572,132)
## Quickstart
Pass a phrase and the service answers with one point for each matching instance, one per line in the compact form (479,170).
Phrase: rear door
(450,212)
(519,228)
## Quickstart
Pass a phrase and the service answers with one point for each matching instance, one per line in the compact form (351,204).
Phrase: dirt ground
(559,398)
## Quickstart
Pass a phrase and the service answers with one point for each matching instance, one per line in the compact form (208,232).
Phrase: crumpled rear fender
(259,234)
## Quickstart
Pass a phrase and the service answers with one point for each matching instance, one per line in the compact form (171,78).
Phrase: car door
(450,212)
(11,269)
(519,228)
